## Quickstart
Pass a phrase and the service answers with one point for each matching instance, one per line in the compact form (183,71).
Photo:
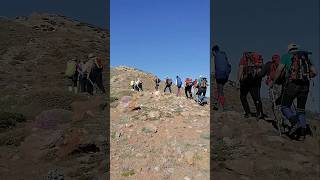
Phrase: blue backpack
(179,82)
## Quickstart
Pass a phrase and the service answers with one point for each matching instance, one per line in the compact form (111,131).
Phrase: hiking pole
(274,109)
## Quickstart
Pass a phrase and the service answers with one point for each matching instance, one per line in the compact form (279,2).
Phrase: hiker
(195,87)
(168,84)
(249,77)
(187,87)
(139,84)
(72,75)
(269,70)
(157,81)
(83,76)
(96,74)
(202,85)
(132,85)
(90,73)
(299,71)
(222,72)
(179,85)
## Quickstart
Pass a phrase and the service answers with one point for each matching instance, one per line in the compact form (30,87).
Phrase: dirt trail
(156,135)
(247,149)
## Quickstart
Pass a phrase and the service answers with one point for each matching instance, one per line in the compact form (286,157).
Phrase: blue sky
(162,37)
(267,26)
(94,12)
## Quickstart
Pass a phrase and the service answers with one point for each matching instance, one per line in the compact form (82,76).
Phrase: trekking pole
(274,110)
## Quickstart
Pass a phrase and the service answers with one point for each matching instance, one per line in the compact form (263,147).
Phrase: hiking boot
(70,88)
(247,115)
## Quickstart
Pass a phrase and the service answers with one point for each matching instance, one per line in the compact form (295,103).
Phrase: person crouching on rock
(168,84)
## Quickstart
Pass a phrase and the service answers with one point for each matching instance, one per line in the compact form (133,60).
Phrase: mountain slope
(60,133)
(156,135)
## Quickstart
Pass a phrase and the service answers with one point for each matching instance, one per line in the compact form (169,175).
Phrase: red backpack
(253,65)
(300,66)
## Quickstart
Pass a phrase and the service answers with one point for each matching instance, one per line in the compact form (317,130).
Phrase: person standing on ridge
(188,87)
(157,82)
(299,71)
(70,73)
(179,85)
(249,77)
(222,72)
(168,84)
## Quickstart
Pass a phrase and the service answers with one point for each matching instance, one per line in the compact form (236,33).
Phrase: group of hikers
(288,78)
(85,75)
(199,87)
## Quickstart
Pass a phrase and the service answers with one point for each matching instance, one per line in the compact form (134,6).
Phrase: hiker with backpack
(138,85)
(195,87)
(72,75)
(202,89)
(90,73)
(249,78)
(269,70)
(132,85)
(96,74)
(299,70)
(202,85)
(168,83)
(179,85)
(83,76)
(222,72)
(187,87)
(157,82)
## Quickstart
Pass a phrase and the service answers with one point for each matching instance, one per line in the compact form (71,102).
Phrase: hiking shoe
(293,129)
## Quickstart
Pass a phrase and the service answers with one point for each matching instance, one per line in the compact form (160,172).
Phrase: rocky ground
(156,135)
(45,131)
(247,149)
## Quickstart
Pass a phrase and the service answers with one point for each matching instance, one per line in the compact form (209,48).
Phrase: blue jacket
(222,65)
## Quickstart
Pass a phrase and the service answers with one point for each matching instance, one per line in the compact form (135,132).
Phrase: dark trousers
(99,83)
(83,83)
(254,90)
(297,91)
(157,87)
(220,85)
(202,91)
(167,86)
(188,92)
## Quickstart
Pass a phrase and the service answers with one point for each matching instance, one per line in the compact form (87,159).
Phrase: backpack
(179,82)
(188,81)
(203,83)
(71,69)
(253,65)
(300,66)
